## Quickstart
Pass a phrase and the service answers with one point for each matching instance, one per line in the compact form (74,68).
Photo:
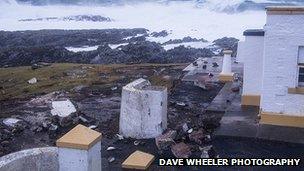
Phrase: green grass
(13,81)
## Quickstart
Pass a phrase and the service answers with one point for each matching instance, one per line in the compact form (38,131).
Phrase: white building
(274,67)
(250,52)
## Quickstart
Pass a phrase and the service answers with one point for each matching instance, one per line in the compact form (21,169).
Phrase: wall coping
(80,137)
(285,10)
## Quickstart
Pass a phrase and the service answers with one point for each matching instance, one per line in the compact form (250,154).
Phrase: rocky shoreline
(23,48)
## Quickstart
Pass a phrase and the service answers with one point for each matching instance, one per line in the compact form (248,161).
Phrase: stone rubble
(11,122)
(62,108)
(163,142)
(111,148)
(181,150)
(206,151)
(197,136)
(111,159)
(32,81)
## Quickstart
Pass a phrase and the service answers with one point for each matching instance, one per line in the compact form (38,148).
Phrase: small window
(301,76)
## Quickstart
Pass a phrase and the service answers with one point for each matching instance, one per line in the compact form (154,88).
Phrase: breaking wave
(214,5)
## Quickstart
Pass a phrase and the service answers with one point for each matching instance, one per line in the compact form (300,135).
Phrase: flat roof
(254,32)
(287,10)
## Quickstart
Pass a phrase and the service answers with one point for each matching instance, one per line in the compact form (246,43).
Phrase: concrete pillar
(226,75)
(143,112)
(80,149)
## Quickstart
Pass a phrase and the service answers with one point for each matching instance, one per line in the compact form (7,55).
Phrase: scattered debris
(181,104)
(197,136)
(185,127)
(76,73)
(215,65)
(93,127)
(5,143)
(53,127)
(36,129)
(35,66)
(11,122)
(46,123)
(163,142)
(235,87)
(120,137)
(111,148)
(114,88)
(205,151)
(136,142)
(32,81)
(83,119)
(62,108)
(77,89)
(111,159)
(181,150)
(138,160)
(40,65)
(190,131)
(45,100)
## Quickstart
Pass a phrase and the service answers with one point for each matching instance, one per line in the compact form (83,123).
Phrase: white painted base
(143,110)
(80,160)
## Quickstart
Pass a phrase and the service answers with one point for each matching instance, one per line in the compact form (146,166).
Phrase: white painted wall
(252,56)
(42,159)
(143,110)
(241,52)
(82,160)
(284,34)
(226,69)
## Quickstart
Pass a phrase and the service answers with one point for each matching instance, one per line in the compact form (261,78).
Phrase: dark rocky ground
(98,101)
(23,48)
(95,90)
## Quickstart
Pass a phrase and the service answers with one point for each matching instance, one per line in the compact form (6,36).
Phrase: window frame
(300,84)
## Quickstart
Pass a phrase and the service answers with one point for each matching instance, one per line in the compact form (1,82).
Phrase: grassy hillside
(14,81)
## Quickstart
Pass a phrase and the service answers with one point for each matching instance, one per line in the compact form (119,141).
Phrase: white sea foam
(188,44)
(82,49)
(183,18)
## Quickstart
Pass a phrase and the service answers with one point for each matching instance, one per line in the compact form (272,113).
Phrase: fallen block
(138,160)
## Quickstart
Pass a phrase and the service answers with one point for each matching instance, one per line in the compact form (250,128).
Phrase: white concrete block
(143,111)
(32,81)
(80,149)
(11,122)
(226,68)
(63,108)
(82,160)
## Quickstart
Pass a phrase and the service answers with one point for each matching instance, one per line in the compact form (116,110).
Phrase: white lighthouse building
(274,67)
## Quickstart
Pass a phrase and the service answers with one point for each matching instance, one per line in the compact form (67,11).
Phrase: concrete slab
(62,108)
(223,100)
(281,133)
(138,160)
(244,122)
